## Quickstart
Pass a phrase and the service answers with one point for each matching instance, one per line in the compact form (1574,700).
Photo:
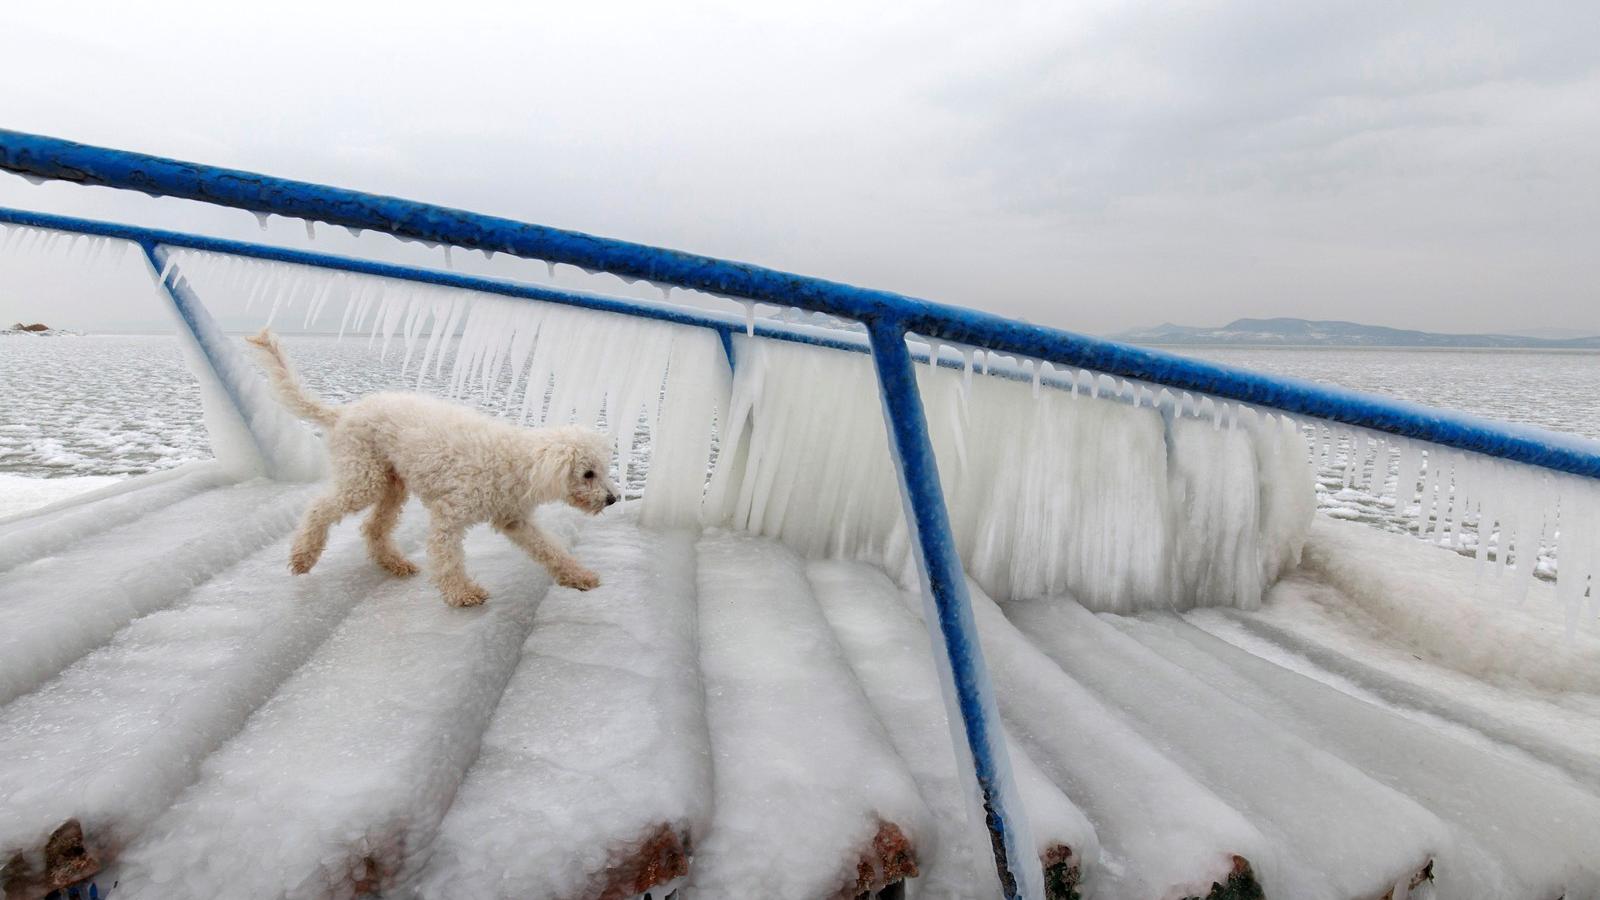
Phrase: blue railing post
(947,611)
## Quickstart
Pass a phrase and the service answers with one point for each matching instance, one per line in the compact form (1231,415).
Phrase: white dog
(466,468)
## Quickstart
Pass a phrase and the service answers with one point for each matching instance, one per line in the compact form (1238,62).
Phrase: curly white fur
(464,466)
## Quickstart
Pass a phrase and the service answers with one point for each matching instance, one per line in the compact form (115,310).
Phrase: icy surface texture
(59,607)
(888,649)
(349,767)
(803,771)
(1448,609)
(1519,828)
(120,733)
(1162,833)
(250,432)
(1126,505)
(599,742)
(1362,840)
(534,362)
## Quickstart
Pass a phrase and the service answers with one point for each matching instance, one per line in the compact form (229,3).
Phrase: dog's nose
(610,499)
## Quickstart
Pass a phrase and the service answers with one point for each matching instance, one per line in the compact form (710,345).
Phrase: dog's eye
(589,474)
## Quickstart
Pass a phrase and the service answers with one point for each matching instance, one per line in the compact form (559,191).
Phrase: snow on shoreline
(23,493)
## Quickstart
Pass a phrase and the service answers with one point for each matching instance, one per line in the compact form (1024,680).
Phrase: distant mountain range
(1308,333)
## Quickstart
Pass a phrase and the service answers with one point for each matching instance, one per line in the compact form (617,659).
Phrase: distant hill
(1308,333)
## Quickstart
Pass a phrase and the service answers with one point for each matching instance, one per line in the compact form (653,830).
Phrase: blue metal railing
(46,157)
(888,318)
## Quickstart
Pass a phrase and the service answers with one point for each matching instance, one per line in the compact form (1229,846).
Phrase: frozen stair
(1519,828)
(810,799)
(36,535)
(1365,839)
(115,738)
(342,776)
(594,778)
(888,648)
(60,607)
(1162,833)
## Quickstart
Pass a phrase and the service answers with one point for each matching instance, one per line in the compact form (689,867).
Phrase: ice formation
(793,740)
(1127,506)
(597,756)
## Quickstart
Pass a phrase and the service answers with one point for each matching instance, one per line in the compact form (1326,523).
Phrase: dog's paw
(469,595)
(581,579)
(301,563)
(400,566)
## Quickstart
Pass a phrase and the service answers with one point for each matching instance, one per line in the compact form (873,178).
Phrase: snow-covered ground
(221,728)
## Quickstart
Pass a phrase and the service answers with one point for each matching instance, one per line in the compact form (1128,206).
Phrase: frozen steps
(1381,839)
(722,718)
(115,738)
(343,775)
(60,607)
(1162,833)
(594,779)
(1518,827)
(810,799)
(887,647)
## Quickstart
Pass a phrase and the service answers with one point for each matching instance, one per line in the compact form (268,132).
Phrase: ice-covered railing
(1194,445)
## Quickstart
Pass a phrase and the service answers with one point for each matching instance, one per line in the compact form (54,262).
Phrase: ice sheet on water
(120,733)
(1141,510)
(888,649)
(1519,830)
(1340,834)
(599,742)
(804,773)
(60,607)
(387,745)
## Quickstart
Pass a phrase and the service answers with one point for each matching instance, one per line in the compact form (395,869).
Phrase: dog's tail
(290,391)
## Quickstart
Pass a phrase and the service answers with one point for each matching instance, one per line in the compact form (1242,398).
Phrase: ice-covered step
(1520,828)
(594,777)
(32,536)
(1299,621)
(888,648)
(1341,835)
(810,799)
(60,607)
(113,740)
(1162,833)
(345,773)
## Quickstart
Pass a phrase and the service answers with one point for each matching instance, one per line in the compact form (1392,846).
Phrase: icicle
(749,317)
(449,263)
(666,292)
(261,219)
(311,230)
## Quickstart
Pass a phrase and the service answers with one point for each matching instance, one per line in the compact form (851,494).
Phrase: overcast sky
(1090,165)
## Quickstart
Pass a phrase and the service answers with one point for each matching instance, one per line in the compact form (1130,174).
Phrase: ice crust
(1363,839)
(116,737)
(1449,610)
(887,646)
(803,772)
(349,767)
(1162,833)
(599,739)
(1520,829)
(58,608)
(1147,506)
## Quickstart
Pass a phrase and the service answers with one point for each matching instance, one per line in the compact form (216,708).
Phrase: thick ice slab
(1341,834)
(594,779)
(804,776)
(1315,621)
(1162,833)
(887,646)
(115,738)
(1521,829)
(60,607)
(348,769)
